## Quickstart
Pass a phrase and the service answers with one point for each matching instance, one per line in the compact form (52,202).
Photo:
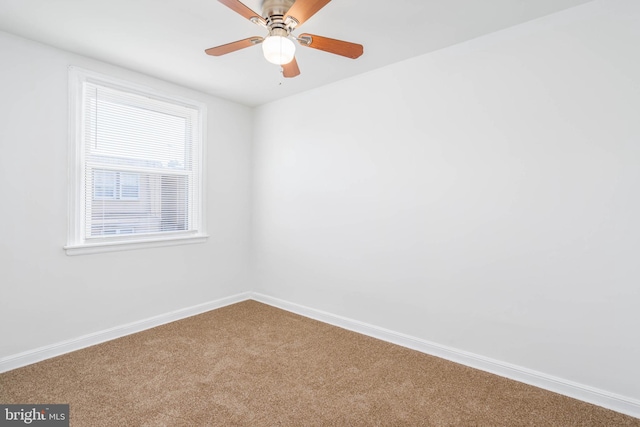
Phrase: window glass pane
(163,136)
(162,205)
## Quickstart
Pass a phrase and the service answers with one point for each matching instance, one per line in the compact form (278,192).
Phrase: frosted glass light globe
(278,50)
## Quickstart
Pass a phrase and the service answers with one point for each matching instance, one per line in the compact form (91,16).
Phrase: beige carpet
(251,364)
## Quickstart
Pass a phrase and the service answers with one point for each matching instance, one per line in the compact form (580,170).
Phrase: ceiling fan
(280,18)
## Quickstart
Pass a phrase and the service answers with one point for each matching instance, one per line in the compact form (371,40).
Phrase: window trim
(77,242)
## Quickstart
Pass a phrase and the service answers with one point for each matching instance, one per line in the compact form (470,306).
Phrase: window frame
(77,242)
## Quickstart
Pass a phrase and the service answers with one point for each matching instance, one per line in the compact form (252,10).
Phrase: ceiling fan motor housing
(276,7)
(274,12)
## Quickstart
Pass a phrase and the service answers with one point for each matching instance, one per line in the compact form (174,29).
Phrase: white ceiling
(167,38)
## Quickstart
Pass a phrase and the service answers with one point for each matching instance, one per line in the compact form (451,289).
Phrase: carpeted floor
(255,365)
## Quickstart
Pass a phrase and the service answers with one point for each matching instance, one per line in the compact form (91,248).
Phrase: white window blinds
(139,165)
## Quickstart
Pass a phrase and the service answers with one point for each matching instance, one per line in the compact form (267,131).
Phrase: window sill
(126,245)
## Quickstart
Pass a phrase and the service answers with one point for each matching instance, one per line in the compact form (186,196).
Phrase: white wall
(483,197)
(46,296)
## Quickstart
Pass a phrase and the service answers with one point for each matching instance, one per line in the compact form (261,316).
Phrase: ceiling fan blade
(305,9)
(243,10)
(291,69)
(338,47)
(233,46)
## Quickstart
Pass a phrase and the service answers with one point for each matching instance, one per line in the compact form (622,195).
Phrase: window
(136,172)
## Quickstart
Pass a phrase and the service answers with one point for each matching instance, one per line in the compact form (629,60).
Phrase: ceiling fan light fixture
(278,49)
(280,18)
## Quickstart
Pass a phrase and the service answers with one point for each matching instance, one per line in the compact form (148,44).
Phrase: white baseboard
(582,392)
(58,349)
